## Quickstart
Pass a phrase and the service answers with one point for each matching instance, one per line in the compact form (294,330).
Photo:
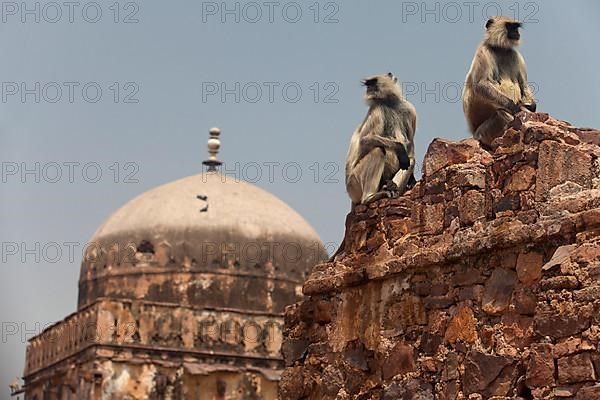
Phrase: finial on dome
(213,148)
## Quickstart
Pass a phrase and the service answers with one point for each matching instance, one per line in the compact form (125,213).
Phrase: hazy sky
(130,89)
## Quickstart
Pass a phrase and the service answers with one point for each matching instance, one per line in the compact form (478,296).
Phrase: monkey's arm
(373,122)
(369,133)
(483,84)
(528,101)
(488,90)
(367,143)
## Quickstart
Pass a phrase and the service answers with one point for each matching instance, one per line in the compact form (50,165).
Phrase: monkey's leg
(353,188)
(493,127)
(366,176)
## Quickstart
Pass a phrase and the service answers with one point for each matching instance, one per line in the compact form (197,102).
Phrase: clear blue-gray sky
(168,71)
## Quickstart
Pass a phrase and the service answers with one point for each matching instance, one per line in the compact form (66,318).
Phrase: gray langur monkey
(381,156)
(496,87)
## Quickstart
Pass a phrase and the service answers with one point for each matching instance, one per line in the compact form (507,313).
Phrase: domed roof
(167,242)
(235,208)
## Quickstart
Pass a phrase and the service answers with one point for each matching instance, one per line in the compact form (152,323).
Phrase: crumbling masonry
(483,282)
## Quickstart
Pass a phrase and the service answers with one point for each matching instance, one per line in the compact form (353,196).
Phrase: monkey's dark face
(512,30)
(373,82)
(383,88)
(370,84)
(502,32)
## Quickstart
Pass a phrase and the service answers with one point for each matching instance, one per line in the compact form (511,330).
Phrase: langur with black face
(496,87)
(381,156)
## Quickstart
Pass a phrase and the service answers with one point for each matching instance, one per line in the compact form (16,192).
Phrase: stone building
(482,282)
(181,296)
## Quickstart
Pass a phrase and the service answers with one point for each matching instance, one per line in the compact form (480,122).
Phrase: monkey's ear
(489,23)
(390,75)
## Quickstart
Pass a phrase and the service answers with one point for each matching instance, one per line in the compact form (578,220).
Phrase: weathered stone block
(524,302)
(498,291)
(540,368)
(294,349)
(521,180)
(517,330)
(442,152)
(481,370)
(560,323)
(559,163)
(428,218)
(571,346)
(510,202)
(465,276)
(400,360)
(430,342)
(529,267)
(466,177)
(574,369)
(588,393)
(471,207)
(462,326)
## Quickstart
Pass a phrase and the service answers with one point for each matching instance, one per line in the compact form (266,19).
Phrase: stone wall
(109,374)
(133,349)
(164,326)
(482,282)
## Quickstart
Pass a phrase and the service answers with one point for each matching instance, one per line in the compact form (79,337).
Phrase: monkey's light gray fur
(496,87)
(381,153)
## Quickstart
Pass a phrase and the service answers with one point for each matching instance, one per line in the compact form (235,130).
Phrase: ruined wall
(131,349)
(127,377)
(164,326)
(483,282)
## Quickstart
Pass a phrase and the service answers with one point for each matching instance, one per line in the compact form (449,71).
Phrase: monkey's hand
(531,106)
(490,91)
(513,107)
(403,157)
(368,143)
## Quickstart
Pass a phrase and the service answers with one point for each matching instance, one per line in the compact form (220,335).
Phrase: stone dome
(205,240)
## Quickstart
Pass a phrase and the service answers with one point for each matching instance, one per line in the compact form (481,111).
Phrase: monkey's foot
(384,194)
(390,186)
(392,189)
